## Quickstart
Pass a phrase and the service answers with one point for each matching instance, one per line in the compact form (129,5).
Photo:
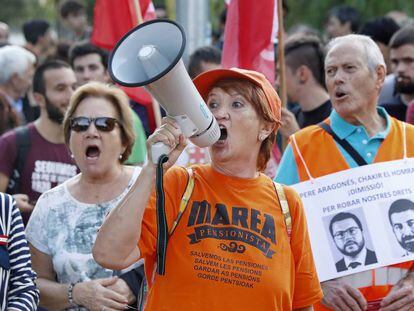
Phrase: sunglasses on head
(103,124)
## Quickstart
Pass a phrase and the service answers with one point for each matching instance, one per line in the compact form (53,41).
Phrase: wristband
(70,294)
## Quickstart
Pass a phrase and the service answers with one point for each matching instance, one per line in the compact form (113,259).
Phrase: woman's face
(239,120)
(96,151)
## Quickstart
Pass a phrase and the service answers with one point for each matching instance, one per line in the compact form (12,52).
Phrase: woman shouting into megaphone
(234,243)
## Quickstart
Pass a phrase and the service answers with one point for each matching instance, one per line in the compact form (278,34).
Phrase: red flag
(251,27)
(112,20)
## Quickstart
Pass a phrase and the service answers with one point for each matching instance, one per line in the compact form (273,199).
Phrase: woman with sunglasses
(234,246)
(98,131)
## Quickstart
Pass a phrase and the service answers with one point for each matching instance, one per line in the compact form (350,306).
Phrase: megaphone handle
(157,150)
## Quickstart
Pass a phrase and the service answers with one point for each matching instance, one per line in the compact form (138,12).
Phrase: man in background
(342,20)
(39,39)
(17,67)
(73,16)
(203,59)
(34,158)
(402,64)
(305,84)
(4,33)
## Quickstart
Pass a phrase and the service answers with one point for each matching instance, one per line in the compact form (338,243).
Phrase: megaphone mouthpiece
(153,62)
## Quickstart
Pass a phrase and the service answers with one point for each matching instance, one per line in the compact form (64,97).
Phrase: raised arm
(116,244)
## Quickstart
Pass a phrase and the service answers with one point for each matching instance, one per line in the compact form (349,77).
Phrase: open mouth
(223,133)
(340,94)
(92,152)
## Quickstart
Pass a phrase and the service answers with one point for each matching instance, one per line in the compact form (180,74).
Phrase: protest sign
(371,235)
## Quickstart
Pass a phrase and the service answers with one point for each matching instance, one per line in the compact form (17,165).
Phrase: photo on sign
(349,240)
(399,223)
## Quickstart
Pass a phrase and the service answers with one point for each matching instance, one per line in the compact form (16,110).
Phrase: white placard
(366,192)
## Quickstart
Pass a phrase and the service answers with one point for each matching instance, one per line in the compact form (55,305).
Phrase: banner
(251,27)
(113,19)
(360,219)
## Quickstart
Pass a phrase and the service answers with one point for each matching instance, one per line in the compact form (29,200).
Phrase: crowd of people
(78,210)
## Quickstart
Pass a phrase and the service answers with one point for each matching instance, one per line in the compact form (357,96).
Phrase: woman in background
(62,229)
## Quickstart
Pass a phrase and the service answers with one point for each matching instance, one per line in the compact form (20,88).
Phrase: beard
(53,112)
(404,85)
(354,252)
(407,242)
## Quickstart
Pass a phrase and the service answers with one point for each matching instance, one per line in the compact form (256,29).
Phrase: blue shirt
(356,135)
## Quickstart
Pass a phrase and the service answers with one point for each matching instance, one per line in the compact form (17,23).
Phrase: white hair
(14,60)
(372,52)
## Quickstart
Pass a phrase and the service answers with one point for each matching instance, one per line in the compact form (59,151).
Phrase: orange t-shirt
(230,250)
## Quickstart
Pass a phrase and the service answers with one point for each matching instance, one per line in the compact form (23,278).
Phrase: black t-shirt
(396,109)
(315,116)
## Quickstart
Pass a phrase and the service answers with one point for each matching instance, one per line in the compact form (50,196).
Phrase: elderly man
(17,67)
(355,71)
(4,33)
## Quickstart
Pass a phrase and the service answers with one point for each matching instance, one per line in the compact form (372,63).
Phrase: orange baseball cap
(206,81)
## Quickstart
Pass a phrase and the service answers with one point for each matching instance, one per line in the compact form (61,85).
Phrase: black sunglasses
(103,124)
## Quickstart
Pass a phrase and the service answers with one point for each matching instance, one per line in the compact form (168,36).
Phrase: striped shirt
(17,288)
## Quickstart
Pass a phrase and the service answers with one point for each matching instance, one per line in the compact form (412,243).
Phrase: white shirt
(359,258)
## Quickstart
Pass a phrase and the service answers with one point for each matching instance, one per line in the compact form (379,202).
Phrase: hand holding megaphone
(150,56)
(169,140)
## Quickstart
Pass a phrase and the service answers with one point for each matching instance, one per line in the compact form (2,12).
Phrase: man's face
(334,27)
(4,33)
(22,83)
(348,237)
(403,227)
(90,68)
(48,40)
(59,87)
(402,63)
(352,87)
(76,21)
(292,84)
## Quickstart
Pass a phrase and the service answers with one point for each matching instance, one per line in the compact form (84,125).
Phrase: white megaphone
(150,55)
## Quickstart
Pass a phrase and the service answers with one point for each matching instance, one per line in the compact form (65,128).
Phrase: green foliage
(16,12)
(314,12)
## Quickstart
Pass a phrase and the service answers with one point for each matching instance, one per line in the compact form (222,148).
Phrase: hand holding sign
(401,296)
(342,297)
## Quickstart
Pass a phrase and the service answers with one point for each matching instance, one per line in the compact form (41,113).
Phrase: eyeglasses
(340,235)
(103,124)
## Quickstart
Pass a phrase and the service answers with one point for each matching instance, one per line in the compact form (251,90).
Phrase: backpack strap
(284,205)
(344,144)
(22,149)
(185,198)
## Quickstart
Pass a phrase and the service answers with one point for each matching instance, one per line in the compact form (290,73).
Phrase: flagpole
(138,11)
(155,104)
(281,60)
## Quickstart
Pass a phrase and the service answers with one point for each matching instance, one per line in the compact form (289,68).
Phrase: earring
(120,157)
(72,156)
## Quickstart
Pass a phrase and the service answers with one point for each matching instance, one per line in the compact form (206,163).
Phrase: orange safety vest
(317,154)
